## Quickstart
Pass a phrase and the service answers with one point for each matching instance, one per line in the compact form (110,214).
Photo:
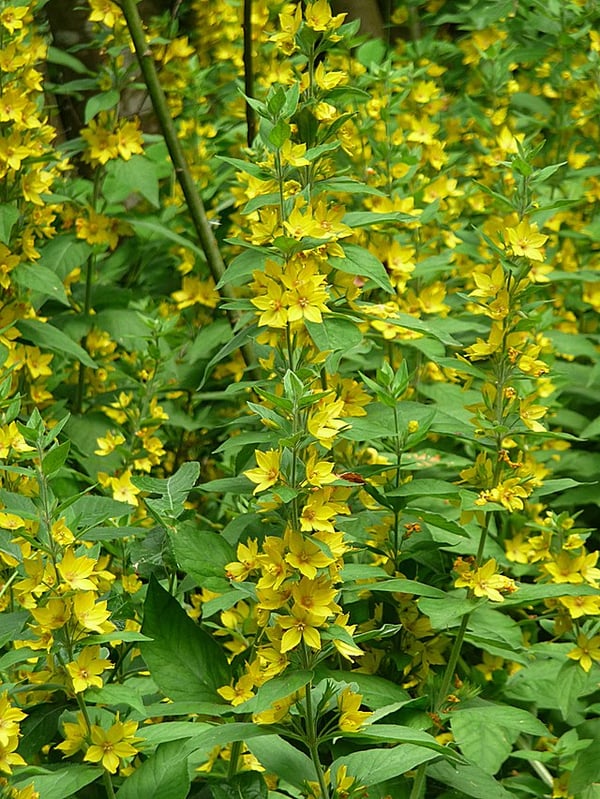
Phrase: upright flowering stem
(182,170)
(89,282)
(311,732)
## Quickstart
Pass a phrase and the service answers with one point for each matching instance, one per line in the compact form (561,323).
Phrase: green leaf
(280,133)
(16,656)
(401,586)
(9,215)
(372,766)
(447,612)
(48,337)
(40,726)
(91,511)
(370,218)
(59,784)
(63,254)
(173,491)
(526,594)
(573,682)
(468,779)
(117,695)
(138,175)
(165,731)
(226,485)
(202,554)
(359,261)
(41,280)
(152,226)
(334,333)
(587,769)
(63,59)
(184,660)
(242,266)
(486,734)
(377,692)
(163,776)
(395,733)
(56,458)
(425,488)
(11,625)
(248,785)
(275,689)
(280,757)
(102,101)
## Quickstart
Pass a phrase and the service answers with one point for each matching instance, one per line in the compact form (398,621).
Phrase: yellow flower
(123,489)
(579,606)
(75,736)
(273,305)
(318,16)
(247,561)
(85,671)
(104,11)
(319,510)
(565,569)
(10,521)
(324,422)
(300,626)
(586,651)
(491,663)
(37,363)
(484,581)
(278,711)
(267,473)
(9,720)
(131,583)
(239,692)
(293,154)
(61,533)
(315,596)
(90,614)
(76,571)
(12,439)
(98,228)
(329,80)
(526,241)
(11,18)
(112,746)
(351,718)
(318,473)
(8,755)
(530,414)
(305,556)
(299,225)
(109,443)
(195,291)
(53,615)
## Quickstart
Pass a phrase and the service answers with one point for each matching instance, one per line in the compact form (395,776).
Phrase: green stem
(452,661)
(312,743)
(194,202)
(234,759)
(418,787)
(110,791)
(90,268)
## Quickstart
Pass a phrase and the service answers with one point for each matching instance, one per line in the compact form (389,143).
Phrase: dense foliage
(298,455)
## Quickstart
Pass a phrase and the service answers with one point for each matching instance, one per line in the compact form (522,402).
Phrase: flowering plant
(298,389)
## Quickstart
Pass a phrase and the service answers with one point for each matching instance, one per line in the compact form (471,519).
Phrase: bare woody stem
(249,72)
(194,202)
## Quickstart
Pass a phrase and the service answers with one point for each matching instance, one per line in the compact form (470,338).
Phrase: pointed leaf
(183,659)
